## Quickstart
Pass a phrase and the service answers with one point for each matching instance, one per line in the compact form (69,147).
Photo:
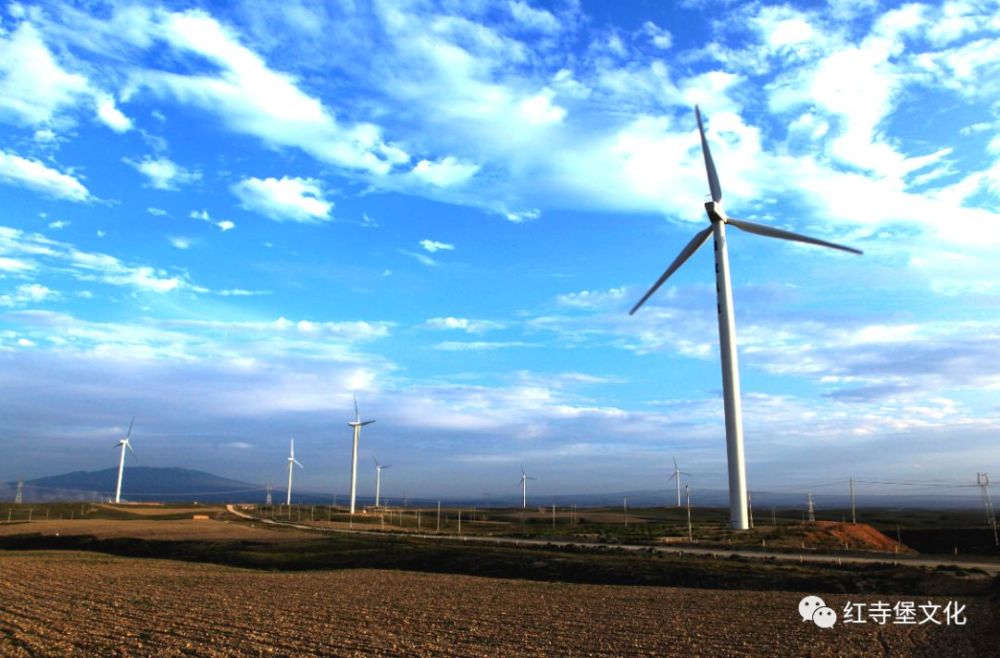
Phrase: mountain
(140,483)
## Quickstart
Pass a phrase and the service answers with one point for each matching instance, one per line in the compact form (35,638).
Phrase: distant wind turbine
(524,488)
(738,515)
(677,476)
(292,462)
(378,478)
(357,424)
(123,444)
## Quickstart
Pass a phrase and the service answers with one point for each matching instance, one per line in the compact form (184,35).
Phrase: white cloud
(445,172)
(112,117)
(163,173)
(534,19)
(659,37)
(423,259)
(592,298)
(434,245)
(478,345)
(223,225)
(156,212)
(29,293)
(254,99)
(179,242)
(58,224)
(33,86)
(26,251)
(287,199)
(463,324)
(38,177)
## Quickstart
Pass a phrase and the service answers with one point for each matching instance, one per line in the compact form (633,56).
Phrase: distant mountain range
(149,484)
(141,483)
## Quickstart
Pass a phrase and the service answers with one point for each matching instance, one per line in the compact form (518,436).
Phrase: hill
(141,483)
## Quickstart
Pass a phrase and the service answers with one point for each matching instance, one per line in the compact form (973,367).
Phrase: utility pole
(750,507)
(687,493)
(268,501)
(854,516)
(810,510)
(625,511)
(553,516)
(439,516)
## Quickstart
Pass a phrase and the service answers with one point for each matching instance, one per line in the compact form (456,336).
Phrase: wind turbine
(677,476)
(292,462)
(524,489)
(357,424)
(738,516)
(123,444)
(378,478)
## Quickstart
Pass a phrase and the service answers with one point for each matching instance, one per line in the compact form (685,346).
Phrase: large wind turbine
(357,424)
(524,488)
(718,219)
(677,476)
(123,444)
(292,462)
(378,478)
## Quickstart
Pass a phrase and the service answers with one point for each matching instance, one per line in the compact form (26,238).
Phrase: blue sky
(226,219)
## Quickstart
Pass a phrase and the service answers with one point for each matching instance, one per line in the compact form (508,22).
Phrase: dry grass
(179,530)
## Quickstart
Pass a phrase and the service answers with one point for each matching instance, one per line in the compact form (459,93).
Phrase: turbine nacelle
(716,212)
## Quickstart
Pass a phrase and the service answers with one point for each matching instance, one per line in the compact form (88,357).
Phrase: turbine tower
(524,489)
(677,476)
(123,444)
(738,515)
(357,424)
(292,462)
(378,479)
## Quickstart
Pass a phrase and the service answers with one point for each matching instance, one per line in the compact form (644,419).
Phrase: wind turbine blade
(696,242)
(132,422)
(130,450)
(522,469)
(375,460)
(357,414)
(671,476)
(675,462)
(387,466)
(770,232)
(527,478)
(297,463)
(367,422)
(713,178)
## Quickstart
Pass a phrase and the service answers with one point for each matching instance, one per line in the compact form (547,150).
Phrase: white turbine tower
(524,488)
(357,424)
(292,463)
(677,476)
(124,445)
(378,478)
(718,219)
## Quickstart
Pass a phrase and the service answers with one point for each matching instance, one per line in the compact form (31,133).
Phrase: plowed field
(82,604)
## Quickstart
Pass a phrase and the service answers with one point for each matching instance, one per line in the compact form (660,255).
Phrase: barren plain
(86,604)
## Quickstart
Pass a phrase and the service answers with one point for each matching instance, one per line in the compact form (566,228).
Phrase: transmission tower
(20,491)
(268,502)
(810,510)
(983,480)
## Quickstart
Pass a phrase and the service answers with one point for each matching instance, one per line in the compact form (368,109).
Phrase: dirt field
(209,530)
(82,604)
